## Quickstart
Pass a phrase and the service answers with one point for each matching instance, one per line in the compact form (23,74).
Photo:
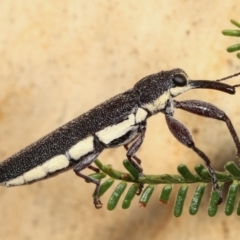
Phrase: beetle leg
(208,110)
(94,169)
(182,134)
(84,163)
(134,157)
(134,148)
(131,154)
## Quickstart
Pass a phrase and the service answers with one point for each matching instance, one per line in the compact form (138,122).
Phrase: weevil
(119,121)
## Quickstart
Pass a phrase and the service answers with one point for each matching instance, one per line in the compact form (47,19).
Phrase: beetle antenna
(231,76)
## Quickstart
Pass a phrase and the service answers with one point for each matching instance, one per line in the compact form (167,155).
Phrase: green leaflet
(185,178)
(233,33)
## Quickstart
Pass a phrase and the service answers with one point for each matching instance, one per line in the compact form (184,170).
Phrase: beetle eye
(180,80)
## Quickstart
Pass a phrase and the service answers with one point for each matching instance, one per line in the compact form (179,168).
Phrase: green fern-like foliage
(184,178)
(233,33)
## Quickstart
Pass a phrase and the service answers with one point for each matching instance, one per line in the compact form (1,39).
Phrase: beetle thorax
(156,90)
(158,104)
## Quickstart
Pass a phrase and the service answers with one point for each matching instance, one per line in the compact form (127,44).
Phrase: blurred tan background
(60,58)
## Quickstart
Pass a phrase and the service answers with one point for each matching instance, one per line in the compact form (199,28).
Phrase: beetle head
(156,89)
(155,85)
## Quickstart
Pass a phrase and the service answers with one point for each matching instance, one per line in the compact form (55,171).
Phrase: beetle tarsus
(97,203)
(220,199)
(140,188)
(217,188)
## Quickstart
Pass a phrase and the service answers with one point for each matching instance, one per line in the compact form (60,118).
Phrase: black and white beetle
(119,121)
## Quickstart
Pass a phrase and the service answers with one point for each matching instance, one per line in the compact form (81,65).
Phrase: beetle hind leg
(81,165)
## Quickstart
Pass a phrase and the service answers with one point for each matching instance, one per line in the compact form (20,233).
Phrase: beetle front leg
(183,135)
(208,110)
